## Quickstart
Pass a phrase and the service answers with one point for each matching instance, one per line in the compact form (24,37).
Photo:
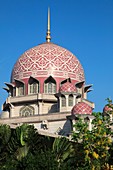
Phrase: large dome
(46,60)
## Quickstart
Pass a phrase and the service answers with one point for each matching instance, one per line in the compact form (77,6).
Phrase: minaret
(48,36)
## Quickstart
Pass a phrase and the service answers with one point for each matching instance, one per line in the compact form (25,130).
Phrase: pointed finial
(48,37)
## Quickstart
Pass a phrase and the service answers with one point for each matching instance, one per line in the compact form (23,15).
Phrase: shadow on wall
(67,129)
(54,108)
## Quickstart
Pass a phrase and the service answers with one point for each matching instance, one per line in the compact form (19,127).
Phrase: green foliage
(5,135)
(96,143)
(62,149)
(24,148)
(109,101)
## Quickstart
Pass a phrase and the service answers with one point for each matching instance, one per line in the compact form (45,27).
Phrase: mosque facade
(47,89)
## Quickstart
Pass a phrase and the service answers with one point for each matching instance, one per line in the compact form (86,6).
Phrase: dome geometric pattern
(46,60)
(81,108)
(67,87)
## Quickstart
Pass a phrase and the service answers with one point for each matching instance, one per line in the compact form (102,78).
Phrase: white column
(66,102)
(60,104)
(73,123)
(12,112)
(74,100)
(90,125)
(40,108)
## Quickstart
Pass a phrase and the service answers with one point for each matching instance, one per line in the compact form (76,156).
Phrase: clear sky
(85,27)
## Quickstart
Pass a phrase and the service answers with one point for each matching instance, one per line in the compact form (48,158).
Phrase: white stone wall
(56,127)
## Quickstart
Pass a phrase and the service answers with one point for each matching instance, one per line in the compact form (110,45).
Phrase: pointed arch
(50,85)
(63,101)
(70,100)
(20,87)
(26,111)
(33,85)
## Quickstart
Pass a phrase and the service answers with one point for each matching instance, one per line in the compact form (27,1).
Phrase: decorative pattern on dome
(81,108)
(45,60)
(107,108)
(67,87)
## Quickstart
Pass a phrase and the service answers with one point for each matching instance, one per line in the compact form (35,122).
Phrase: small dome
(67,87)
(107,108)
(81,108)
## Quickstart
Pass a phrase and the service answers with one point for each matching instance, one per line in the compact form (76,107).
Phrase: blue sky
(85,27)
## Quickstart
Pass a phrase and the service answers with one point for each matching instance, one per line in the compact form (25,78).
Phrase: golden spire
(48,36)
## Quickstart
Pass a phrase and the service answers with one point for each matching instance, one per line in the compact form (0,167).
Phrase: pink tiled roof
(67,87)
(107,108)
(81,108)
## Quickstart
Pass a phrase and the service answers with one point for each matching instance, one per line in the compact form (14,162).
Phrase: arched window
(70,100)
(27,111)
(63,101)
(50,86)
(33,86)
(19,88)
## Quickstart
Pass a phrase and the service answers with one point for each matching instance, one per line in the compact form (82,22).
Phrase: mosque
(47,89)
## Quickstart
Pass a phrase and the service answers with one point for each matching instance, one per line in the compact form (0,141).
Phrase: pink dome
(81,108)
(46,60)
(67,87)
(107,108)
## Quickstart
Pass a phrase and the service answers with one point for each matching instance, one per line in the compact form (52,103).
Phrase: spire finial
(48,37)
